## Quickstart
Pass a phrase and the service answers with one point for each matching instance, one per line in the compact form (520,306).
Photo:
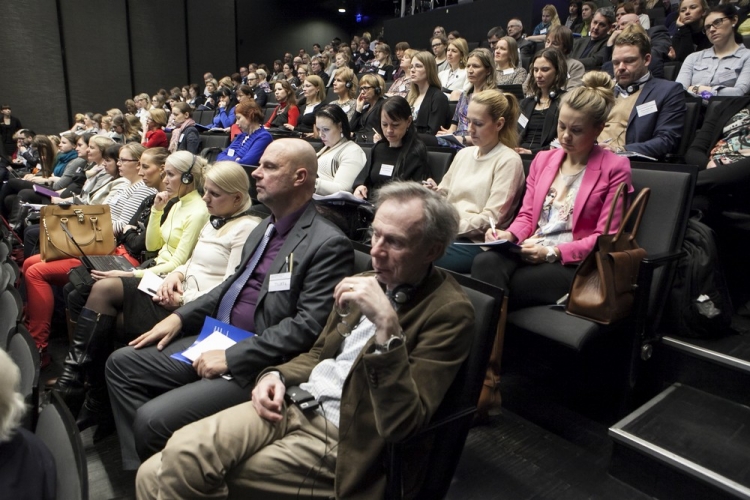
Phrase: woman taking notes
(568,195)
(484,181)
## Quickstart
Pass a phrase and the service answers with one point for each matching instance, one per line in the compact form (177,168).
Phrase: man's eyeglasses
(715,25)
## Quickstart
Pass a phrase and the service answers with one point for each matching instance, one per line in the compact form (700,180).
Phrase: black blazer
(433,112)
(549,129)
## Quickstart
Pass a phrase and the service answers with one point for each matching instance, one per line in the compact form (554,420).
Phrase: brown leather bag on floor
(603,288)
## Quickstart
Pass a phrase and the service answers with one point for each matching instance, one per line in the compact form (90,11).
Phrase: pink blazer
(604,173)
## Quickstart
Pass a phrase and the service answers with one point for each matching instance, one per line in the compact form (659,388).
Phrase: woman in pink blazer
(565,207)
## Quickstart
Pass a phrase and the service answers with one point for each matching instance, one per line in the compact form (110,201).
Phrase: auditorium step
(684,444)
(719,366)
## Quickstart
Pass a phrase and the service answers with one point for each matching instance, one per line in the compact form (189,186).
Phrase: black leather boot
(92,343)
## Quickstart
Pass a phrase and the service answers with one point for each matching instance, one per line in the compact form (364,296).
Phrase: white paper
(646,109)
(522,120)
(150,283)
(215,341)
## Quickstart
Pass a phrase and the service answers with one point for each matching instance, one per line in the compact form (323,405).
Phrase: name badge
(543,32)
(522,120)
(230,152)
(381,72)
(182,136)
(508,71)
(646,109)
(280,282)
(386,170)
(346,108)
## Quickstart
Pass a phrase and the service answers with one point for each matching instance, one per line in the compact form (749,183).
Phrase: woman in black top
(537,124)
(399,155)
(366,119)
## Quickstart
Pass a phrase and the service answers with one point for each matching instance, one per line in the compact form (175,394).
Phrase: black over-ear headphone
(187,177)
(552,96)
(401,294)
(349,84)
(378,90)
(219,222)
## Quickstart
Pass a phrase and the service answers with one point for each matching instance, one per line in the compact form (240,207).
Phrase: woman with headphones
(217,253)
(366,121)
(537,124)
(346,88)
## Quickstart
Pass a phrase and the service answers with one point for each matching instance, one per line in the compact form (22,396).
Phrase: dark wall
(95,38)
(212,26)
(265,31)
(31,68)
(472,20)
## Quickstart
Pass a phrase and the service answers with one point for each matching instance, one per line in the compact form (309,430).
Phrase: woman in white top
(454,77)
(346,88)
(485,182)
(341,159)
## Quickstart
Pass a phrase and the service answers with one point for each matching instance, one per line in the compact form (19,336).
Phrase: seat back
(220,141)
(515,89)
(663,226)
(57,429)
(692,113)
(22,350)
(10,312)
(440,160)
(671,70)
(362,259)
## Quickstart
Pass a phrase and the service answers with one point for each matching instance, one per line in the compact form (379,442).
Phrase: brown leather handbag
(603,288)
(89,225)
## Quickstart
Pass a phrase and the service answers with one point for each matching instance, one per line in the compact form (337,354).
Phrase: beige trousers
(237,454)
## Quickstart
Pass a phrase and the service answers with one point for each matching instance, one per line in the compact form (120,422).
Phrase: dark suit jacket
(549,130)
(596,56)
(391,396)
(288,322)
(657,134)
(433,112)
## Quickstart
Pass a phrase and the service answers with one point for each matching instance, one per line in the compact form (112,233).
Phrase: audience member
(27,468)
(526,48)
(9,125)
(185,135)
(314,91)
(258,94)
(366,120)
(428,103)
(592,50)
(155,137)
(346,89)
(154,395)
(454,76)
(439,44)
(537,123)
(574,22)
(317,68)
(392,362)
(689,35)
(493,35)
(549,20)
(341,159)
(398,155)
(724,68)
(402,84)
(248,147)
(224,117)
(485,182)
(560,220)
(648,113)
(286,111)
(400,48)
(561,38)
(381,64)
(508,69)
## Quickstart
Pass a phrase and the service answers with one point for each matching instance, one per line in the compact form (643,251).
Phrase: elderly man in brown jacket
(377,373)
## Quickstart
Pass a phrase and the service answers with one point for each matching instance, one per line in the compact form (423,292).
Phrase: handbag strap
(637,208)
(620,193)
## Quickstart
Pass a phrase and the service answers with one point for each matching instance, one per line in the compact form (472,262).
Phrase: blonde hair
(595,98)
(487,60)
(231,178)
(463,47)
(12,406)
(501,105)
(317,82)
(185,161)
(552,11)
(428,61)
(159,116)
(347,75)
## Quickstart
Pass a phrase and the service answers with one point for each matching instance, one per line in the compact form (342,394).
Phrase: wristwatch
(695,89)
(551,255)
(392,343)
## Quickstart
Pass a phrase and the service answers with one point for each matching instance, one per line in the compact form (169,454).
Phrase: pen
(373,129)
(291,262)
(492,224)
(607,141)
(286,263)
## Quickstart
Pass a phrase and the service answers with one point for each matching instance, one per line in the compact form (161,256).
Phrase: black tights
(107,297)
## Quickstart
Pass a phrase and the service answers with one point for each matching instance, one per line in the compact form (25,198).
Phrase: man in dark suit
(282,291)
(378,371)
(648,114)
(592,50)
(525,47)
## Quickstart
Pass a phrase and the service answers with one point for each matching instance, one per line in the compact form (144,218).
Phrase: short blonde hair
(159,116)
(317,82)
(12,406)
(231,178)
(186,162)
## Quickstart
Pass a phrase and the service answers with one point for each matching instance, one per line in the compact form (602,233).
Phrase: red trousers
(39,277)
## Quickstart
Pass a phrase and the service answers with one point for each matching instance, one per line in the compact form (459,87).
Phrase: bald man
(661,43)
(153,395)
